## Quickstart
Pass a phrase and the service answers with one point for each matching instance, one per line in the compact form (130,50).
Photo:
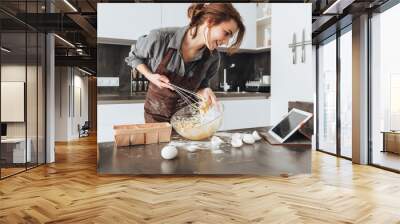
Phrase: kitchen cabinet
(263,23)
(248,13)
(114,114)
(127,21)
(238,113)
(174,14)
(248,113)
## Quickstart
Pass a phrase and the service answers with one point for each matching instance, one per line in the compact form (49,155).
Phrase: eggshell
(169,152)
(236,143)
(191,148)
(248,139)
(256,136)
(237,136)
(216,141)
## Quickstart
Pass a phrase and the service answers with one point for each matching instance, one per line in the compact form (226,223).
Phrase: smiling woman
(178,56)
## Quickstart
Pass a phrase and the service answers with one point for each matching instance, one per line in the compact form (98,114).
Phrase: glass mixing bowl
(193,125)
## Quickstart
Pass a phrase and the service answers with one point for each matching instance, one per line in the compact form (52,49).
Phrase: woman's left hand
(208,95)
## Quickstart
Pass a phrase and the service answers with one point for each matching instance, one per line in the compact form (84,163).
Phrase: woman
(179,56)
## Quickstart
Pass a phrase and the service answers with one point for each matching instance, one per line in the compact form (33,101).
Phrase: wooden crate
(137,134)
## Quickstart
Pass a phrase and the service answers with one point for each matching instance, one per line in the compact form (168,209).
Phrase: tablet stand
(296,139)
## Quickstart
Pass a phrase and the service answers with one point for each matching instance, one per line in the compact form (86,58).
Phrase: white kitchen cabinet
(114,114)
(240,113)
(245,113)
(248,13)
(127,21)
(263,23)
(174,14)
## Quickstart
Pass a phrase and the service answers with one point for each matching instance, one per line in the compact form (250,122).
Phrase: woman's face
(221,34)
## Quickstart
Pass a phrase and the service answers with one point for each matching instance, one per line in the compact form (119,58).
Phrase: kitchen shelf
(263,26)
(264,21)
(246,50)
(264,48)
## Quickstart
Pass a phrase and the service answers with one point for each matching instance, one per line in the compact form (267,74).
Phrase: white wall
(33,126)
(314,74)
(61,103)
(80,83)
(290,82)
(127,21)
(68,81)
(16,73)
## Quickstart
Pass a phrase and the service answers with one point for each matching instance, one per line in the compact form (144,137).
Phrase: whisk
(189,97)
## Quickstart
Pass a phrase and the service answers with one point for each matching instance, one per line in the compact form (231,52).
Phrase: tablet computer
(289,124)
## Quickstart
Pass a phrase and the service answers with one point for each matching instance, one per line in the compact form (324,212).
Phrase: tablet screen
(289,123)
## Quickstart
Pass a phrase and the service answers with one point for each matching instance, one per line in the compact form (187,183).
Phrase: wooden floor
(387,159)
(70,191)
(10,171)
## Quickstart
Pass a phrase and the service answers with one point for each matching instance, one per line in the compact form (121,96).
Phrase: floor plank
(70,191)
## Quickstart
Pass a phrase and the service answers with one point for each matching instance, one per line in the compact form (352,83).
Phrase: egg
(256,136)
(236,143)
(169,152)
(248,139)
(237,136)
(216,141)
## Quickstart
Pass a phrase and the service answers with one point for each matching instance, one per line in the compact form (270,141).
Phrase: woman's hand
(208,95)
(159,80)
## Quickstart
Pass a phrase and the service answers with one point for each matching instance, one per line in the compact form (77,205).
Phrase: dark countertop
(260,158)
(140,96)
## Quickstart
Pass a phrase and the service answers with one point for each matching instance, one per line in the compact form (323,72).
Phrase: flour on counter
(219,143)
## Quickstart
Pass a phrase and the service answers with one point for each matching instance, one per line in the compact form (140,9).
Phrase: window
(346,93)
(22,78)
(385,89)
(327,96)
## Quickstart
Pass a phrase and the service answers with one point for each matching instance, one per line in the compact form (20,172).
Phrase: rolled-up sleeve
(213,70)
(146,47)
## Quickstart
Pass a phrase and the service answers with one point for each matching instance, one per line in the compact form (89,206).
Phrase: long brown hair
(217,13)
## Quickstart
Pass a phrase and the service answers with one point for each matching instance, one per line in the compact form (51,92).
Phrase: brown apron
(161,104)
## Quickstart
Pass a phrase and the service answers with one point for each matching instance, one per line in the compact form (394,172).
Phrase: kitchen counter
(140,96)
(260,158)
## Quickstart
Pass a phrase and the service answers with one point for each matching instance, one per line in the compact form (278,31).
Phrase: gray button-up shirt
(150,49)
